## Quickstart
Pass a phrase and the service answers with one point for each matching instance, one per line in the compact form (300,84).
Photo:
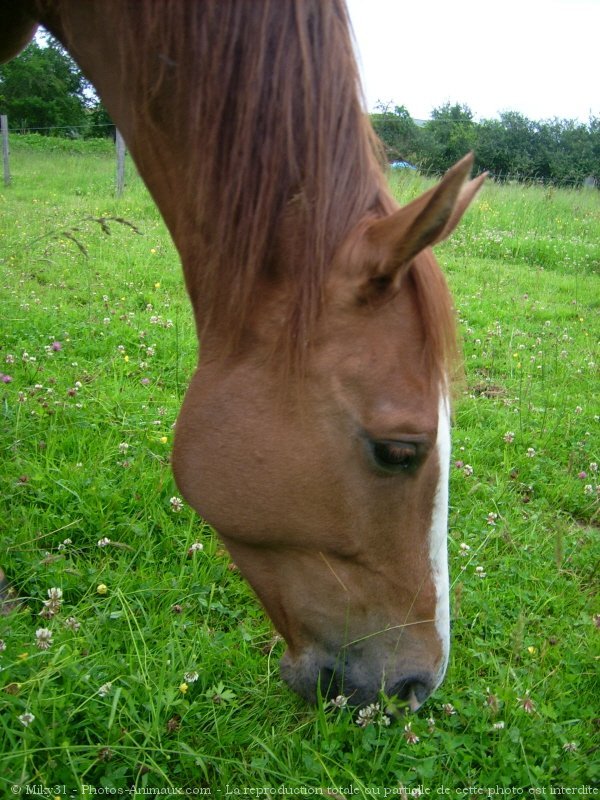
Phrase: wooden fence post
(121,150)
(5,150)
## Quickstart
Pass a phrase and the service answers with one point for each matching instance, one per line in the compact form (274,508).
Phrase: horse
(315,433)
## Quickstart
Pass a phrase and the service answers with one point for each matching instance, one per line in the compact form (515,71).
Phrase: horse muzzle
(358,679)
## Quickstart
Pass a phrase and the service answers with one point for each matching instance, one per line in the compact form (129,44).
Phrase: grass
(162,670)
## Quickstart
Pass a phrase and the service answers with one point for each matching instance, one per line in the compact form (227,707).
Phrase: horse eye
(394,456)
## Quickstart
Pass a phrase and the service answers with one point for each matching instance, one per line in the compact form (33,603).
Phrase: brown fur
(245,121)
(263,98)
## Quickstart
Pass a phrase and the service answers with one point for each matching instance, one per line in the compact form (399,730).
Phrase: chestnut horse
(315,434)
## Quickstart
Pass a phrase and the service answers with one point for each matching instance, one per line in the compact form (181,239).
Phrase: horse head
(331,492)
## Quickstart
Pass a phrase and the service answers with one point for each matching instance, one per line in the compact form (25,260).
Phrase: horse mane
(263,97)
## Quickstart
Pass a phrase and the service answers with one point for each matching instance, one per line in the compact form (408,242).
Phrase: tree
(449,135)
(492,152)
(397,131)
(44,88)
(100,122)
(510,146)
(594,132)
(519,143)
(558,151)
(554,151)
(568,148)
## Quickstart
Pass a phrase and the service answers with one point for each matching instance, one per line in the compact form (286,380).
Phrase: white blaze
(438,536)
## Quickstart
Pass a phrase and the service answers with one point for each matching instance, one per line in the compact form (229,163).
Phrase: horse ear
(394,241)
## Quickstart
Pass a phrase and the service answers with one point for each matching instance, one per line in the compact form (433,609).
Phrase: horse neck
(245,123)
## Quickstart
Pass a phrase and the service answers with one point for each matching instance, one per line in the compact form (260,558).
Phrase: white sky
(538,57)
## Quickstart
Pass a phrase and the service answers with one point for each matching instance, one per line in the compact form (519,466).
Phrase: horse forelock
(255,110)
(438,318)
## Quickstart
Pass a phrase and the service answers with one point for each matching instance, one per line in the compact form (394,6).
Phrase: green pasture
(154,667)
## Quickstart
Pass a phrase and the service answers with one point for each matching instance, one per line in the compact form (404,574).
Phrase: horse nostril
(417,696)
(413,690)
(328,683)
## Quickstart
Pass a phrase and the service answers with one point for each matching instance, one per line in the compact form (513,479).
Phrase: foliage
(398,133)
(44,89)
(100,122)
(553,151)
(450,133)
(162,669)
(41,143)
(560,151)
(507,145)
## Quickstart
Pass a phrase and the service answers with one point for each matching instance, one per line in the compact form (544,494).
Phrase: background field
(162,668)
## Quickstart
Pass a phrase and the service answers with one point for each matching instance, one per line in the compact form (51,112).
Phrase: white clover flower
(340,701)
(372,714)
(366,716)
(176,505)
(43,638)
(51,606)
(409,735)
(526,703)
